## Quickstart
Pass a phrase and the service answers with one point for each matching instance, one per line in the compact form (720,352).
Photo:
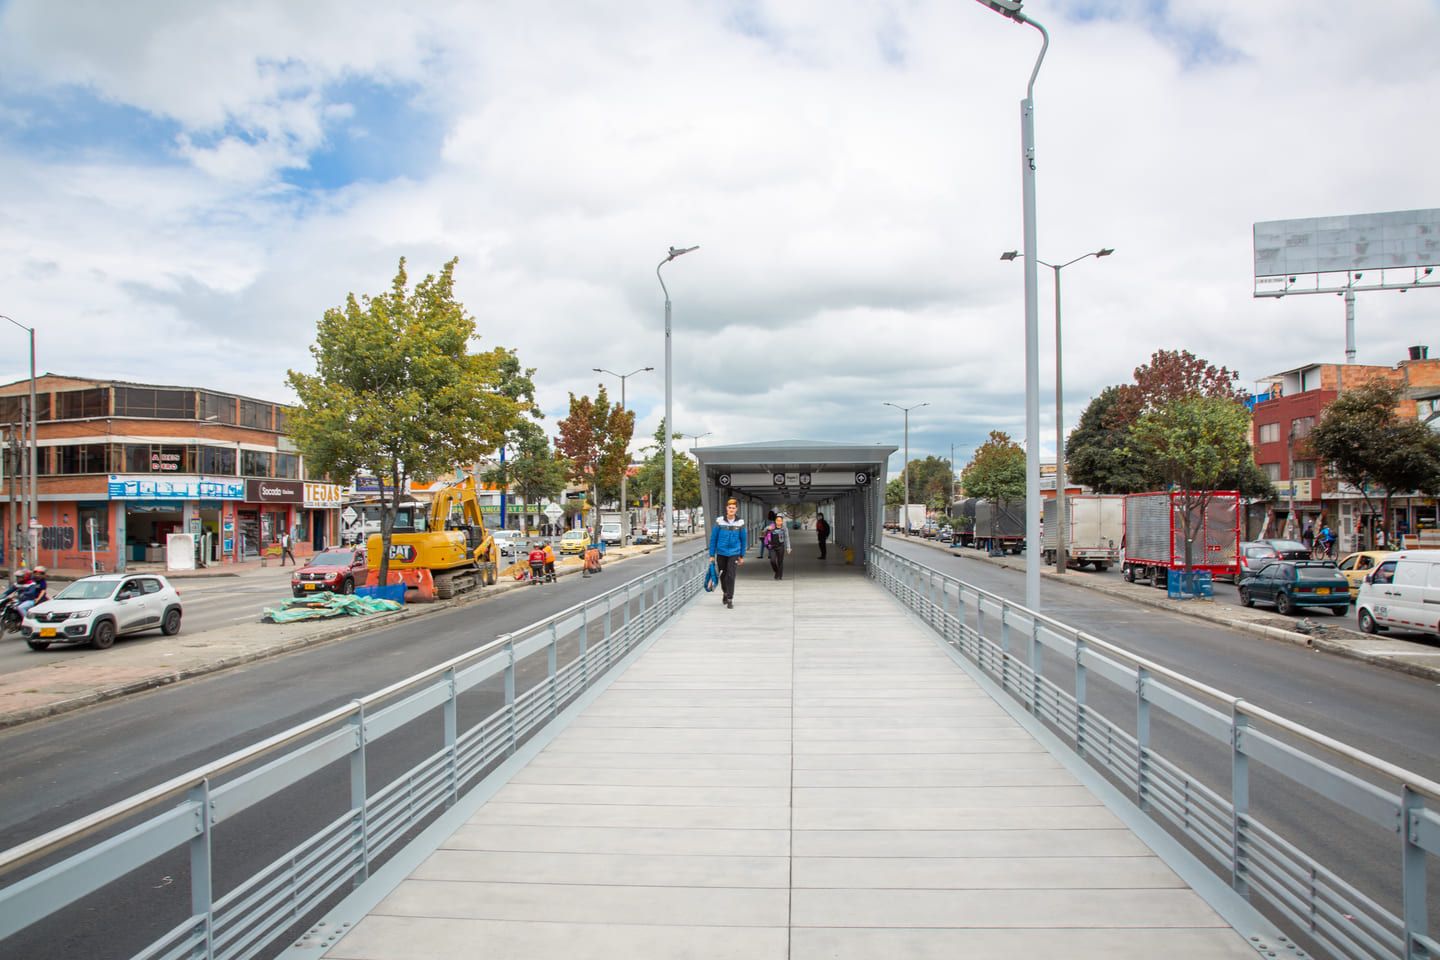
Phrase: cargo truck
(1000,525)
(1154,545)
(1094,529)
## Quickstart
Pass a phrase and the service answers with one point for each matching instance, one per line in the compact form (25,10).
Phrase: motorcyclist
(22,577)
(34,592)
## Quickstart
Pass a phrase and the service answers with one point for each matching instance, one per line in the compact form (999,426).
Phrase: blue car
(1290,584)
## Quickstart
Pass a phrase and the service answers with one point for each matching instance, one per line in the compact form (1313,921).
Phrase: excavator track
(455,582)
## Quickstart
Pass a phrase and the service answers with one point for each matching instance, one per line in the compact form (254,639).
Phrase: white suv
(99,609)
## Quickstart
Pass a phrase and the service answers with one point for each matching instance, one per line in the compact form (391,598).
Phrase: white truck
(612,529)
(1094,530)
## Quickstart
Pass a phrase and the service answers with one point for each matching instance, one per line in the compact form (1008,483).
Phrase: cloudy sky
(186,188)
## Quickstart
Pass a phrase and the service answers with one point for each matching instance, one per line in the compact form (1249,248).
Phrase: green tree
(1097,453)
(534,471)
(595,439)
(397,393)
(684,476)
(997,469)
(895,491)
(1197,445)
(1368,445)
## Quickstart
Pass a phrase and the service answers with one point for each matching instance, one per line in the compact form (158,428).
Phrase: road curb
(1195,610)
(349,628)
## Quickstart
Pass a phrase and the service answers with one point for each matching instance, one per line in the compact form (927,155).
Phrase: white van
(1403,592)
(610,532)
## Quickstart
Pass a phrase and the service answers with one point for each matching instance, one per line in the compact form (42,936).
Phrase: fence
(182,816)
(1218,820)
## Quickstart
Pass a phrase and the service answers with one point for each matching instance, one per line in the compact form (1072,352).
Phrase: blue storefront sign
(175,488)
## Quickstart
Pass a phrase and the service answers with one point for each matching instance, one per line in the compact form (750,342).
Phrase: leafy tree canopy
(595,440)
(397,393)
(684,477)
(997,470)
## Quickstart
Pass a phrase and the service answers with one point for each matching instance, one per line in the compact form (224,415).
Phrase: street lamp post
(668,523)
(905,509)
(624,474)
(1060,519)
(32,507)
(1011,9)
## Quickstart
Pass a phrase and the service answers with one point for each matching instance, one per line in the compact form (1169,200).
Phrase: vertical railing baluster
(359,794)
(552,668)
(452,736)
(1239,799)
(201,899)
(1412,873)
(1035,657)
(585,647)
(1142,739)
(510,695)
(1079,695)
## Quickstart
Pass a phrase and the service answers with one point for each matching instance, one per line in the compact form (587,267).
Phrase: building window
(82,404)
(282,420)
(1272,470)
(10,407)
(1269,432)
(222,408)
(253,413)
(287,466)
(99,512)
(1300,427)
(137,458)
(157,458)
(154,404)
(217,461)
(1303,470)
(254,463)
(82,458)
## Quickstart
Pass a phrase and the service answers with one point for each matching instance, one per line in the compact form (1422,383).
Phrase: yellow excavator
(454,551)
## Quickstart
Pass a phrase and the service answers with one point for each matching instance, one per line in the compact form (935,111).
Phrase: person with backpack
(822,531)
(765,534)
(727,548)
(779,545)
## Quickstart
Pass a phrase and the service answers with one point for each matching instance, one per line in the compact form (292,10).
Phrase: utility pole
(905,508)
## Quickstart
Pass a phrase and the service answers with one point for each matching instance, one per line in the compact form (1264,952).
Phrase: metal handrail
(60,837)
(1417,782)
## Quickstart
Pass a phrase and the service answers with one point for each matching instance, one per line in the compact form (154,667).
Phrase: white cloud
(849,169)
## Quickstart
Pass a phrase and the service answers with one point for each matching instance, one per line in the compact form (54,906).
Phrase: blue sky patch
(71,124)
(384,136)
(1198,44)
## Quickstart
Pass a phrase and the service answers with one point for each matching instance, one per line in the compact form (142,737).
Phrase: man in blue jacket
(727,548)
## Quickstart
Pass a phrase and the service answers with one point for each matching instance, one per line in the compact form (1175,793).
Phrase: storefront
(320,524)
(143,511)
(271,508)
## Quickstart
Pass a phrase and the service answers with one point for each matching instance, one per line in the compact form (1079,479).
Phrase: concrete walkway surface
(808,775)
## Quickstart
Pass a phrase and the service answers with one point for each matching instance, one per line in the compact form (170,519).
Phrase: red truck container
(1155,535)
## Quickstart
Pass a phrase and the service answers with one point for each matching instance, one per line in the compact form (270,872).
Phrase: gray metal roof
(817,470)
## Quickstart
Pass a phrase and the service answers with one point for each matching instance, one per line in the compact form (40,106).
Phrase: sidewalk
(806,776)
(61,685)
(1414,657)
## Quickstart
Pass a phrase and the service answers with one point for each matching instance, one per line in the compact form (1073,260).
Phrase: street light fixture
(32,507)
(624,474)
(906,508)
(1060,559)
(669,522)
(1011,10)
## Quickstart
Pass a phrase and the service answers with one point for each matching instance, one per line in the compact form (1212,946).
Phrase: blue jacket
(727,537)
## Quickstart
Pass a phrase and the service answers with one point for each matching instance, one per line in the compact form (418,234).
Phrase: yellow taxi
(574,541)
(1356,566)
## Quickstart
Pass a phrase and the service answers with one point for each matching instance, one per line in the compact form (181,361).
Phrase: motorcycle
(10,614)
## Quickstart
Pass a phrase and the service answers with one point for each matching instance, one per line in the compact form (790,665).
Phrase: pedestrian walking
(285,550)
(727,548)
(779,546)
(1308,537)
(822,532)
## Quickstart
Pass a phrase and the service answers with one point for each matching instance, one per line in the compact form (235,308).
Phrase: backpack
(822,528)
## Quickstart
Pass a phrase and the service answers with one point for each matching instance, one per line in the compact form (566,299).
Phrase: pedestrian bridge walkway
(808,775)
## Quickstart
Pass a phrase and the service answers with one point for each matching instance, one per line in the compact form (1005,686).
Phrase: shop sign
(274,491)
(162,462)
(174,488)
(322,496)
(1293,489)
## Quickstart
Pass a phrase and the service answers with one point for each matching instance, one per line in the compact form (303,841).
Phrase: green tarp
(328,605)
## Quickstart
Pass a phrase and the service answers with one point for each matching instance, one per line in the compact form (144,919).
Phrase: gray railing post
(359,793)
(452,736)
(585,648)
(626,644)
(510,718)
(201,899)
(552,667)
(1035,656)
(1142,739)
(1239,799)
(609,626)
(1079,695)
(1412,873)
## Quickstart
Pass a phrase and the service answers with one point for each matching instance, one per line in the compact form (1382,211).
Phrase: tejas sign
(274,491)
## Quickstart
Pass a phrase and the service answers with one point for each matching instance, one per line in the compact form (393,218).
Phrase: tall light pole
(624,474)
(1060,520)
(906,508)
(697,437)
(668,523)
(1011,9)
(32,507)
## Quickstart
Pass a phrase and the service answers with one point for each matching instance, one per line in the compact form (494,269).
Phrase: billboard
(1398,250)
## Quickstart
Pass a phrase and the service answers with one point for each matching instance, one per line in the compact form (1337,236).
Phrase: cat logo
(404,552)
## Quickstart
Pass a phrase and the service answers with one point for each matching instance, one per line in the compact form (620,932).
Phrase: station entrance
(846,482)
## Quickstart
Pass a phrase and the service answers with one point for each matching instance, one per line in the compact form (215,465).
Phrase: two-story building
(120,465)
(1305,492)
